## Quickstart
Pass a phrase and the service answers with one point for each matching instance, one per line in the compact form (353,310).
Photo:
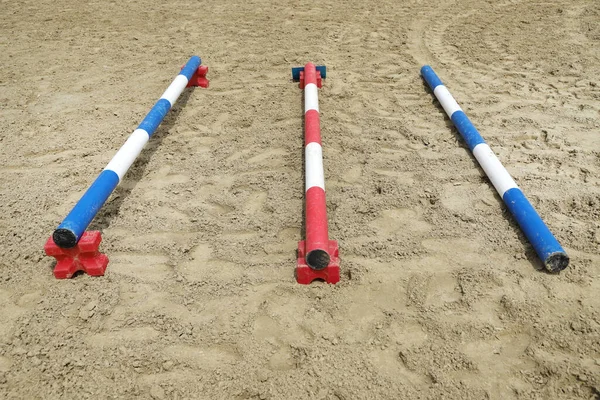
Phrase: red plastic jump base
(330,274)
(83,257)
(319,80)
(199,77)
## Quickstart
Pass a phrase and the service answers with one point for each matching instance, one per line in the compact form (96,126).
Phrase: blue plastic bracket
(296,72)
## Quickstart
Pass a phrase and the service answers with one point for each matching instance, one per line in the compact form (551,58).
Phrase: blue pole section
(551,253)
(76,222)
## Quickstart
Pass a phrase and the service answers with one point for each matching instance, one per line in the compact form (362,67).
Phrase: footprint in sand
(147,267)
(272,157)
(401,218)
(203,267)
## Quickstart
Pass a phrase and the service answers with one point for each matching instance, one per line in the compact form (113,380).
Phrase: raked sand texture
(440,297)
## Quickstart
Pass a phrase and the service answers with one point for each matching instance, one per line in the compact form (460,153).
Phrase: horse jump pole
(73,247)
(551,253)
(317,255)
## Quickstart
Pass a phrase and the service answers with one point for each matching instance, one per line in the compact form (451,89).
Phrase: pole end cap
(64,238)
(556,262)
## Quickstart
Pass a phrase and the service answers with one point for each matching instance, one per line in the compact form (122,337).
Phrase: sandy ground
(441,295)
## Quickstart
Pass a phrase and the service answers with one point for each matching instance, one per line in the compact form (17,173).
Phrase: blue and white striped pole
(545,244)
(74,225)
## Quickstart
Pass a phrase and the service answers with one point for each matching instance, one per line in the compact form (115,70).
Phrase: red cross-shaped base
(330,274)
(83,257)
(319,80)
(199,77)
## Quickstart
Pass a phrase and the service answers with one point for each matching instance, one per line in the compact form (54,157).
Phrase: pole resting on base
(318,257)
(83,257)
(72,229)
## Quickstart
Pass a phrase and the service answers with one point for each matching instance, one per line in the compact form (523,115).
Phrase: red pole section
(317,255)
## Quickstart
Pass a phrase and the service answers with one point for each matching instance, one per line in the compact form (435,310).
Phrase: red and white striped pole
(317,255)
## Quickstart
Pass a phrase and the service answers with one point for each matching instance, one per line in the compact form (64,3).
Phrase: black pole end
(64,238)
(557,262)
(318,259)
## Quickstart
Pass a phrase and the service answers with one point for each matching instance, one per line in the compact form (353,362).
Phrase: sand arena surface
(441,296)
